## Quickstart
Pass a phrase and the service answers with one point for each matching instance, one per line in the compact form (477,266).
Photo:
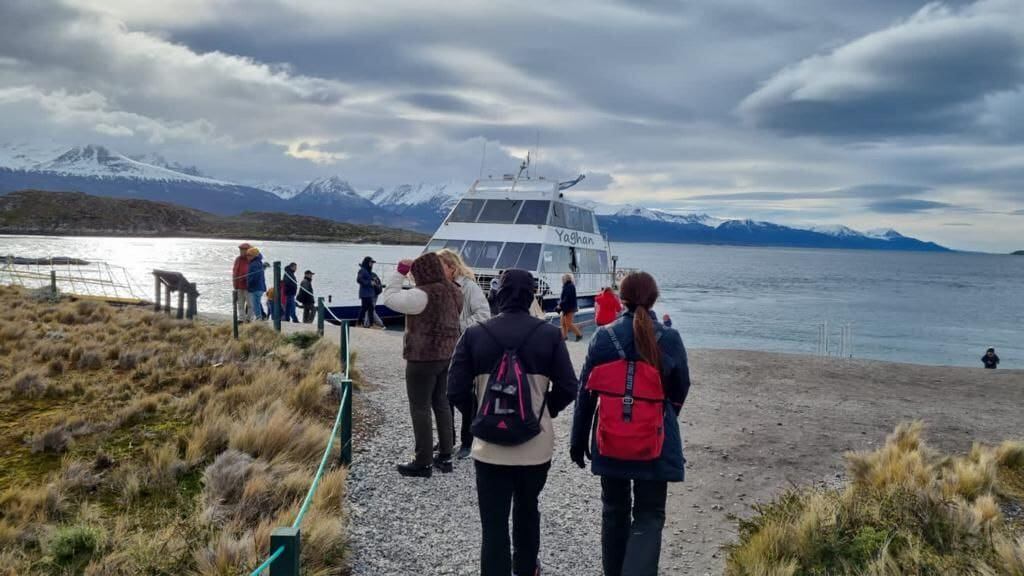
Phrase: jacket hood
(367,263)
(515,291)
(427,269)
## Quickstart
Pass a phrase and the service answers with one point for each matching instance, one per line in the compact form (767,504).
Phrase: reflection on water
(903,306)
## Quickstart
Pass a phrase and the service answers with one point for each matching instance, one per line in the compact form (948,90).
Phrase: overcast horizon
(875,114)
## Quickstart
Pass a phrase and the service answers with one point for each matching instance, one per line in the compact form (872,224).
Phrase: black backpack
(506,415)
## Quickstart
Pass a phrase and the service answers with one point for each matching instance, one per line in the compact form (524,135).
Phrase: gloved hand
(576,454)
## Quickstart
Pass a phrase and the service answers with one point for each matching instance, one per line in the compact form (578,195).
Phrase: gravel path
(754,425)
(431,526)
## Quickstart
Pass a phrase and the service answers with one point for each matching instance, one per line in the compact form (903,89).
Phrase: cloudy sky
(871,113)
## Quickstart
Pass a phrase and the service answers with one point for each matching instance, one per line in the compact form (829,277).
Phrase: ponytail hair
(639,292)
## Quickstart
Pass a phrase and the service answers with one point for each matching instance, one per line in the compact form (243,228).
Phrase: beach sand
(754,425)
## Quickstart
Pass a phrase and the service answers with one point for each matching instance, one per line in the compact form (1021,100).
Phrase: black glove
(576,454)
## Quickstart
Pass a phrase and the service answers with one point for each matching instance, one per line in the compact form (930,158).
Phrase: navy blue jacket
(568,300)
(675,377)
(257,280)
(291,285)
(365,281)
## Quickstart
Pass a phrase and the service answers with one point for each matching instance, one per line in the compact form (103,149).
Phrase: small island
(1018,253)
(35,212)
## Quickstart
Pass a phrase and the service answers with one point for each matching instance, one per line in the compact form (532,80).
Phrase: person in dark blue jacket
(568,306)
(256,282)
(367,293)
(290,288)
(633,547)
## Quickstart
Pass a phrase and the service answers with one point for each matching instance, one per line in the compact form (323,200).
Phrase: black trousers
(468,413)
(632,547)
(309,314)
(501,489)
(426,384)
(366,312)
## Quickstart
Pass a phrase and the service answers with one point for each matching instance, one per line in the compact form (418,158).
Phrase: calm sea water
(902,306)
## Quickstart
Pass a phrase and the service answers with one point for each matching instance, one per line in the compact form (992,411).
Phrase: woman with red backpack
(634,382)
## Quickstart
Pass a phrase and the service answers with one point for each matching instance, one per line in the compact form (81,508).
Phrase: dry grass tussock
(906,509)
(134,443)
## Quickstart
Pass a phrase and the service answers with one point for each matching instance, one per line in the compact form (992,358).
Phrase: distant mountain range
(79,214)
(422,207)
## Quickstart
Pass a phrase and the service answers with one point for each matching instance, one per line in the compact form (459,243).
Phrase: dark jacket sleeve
(563,378)
(364,278)
(677,381)
(586,403)
(461,373)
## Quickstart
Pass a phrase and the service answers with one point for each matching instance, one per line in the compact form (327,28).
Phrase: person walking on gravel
(475,308)
(366,292)
(512,445)
(431,330)
(567,306)
(638,369)
(307,298)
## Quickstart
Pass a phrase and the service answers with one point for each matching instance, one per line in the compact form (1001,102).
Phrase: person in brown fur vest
(432,329)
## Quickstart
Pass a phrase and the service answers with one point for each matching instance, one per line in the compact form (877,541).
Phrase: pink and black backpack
(506,415)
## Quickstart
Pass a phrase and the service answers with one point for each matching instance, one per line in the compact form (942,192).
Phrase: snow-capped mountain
(282,191)
(158,160)
(333,197)
(427,204)
(661,216)
(837,230)
(98,162)
(98,170)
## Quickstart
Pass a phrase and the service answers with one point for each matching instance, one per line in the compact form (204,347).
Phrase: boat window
(435,245)
(557,259)
(500,211)
(466,211)
(488,256)
(533,212)
(510,255)
(557,214)
(602,259)
(455,245)
(471,251)
(528,258)
(590,262)
(572,217)
(586,221)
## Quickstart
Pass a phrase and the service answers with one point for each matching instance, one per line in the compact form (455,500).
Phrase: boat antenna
(522,168)
(536,154)
(483,157)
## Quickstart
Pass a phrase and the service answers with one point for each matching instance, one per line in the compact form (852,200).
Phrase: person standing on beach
(431,330)
(607,307)
(256,282)
(306,298)
(567,306)
(511,477)
(366,292)
(239,281)
(289,290)
(475,308)
(635,468)
(990,359)
(378,288)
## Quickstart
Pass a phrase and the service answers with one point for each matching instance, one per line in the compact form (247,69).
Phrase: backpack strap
(521,344)
(615,342)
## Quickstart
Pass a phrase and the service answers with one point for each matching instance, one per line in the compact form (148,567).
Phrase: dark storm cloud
(930,74)
(906,206)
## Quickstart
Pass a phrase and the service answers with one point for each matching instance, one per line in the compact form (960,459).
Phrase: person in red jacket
(607,307)
(239,275)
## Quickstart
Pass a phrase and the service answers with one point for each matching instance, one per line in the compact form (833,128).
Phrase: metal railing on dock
(285,542)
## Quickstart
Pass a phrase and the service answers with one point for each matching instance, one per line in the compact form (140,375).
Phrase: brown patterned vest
(431,335)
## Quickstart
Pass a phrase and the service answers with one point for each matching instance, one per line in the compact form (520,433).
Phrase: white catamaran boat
(520,222)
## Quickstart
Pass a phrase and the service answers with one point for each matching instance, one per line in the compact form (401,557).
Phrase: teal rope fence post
(275,302)
(320,312)
(344,349)
(346,423)
(287,564)
(234,314)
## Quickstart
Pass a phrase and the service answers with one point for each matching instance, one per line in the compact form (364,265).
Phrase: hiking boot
(463,452)
(414,470)
(579,337)
(443,464)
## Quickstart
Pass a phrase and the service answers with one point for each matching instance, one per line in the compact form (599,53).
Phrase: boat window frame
(523,211)
(535,266)
(470,258)
(478,263)
(501,264)
(469,202)
(517,203)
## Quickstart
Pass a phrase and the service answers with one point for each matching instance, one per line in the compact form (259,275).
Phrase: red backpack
(630,417)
